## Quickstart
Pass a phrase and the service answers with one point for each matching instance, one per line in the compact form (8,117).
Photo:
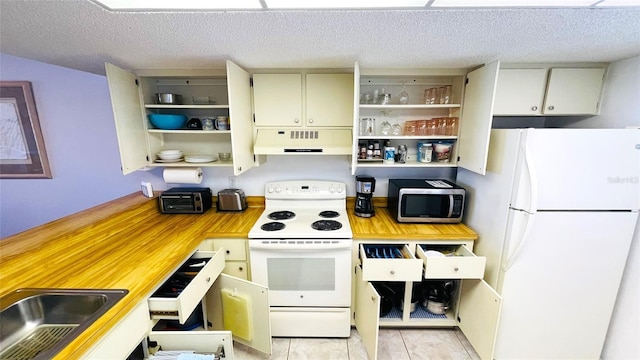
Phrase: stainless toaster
(231,200)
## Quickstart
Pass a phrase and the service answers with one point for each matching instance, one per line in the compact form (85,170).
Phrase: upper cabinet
(549,91)
(434,117)
(303,99)
(204,94)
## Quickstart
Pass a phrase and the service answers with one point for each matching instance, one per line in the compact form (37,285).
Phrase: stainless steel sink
(38,323)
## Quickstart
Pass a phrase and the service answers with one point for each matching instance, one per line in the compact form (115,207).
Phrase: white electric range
(300,248)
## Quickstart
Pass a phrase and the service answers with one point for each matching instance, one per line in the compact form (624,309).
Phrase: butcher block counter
(127,244)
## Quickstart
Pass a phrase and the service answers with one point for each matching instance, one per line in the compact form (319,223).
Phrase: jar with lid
(377,152)
(402,154)
(425,152)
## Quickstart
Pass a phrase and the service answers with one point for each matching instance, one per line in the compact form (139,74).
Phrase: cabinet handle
(456,269)
(240,268)
(208,279)
(228,252)
(240,168)
(534,108)
(392,272)
(296,120)
(310,121)
(551,107)
(373,298)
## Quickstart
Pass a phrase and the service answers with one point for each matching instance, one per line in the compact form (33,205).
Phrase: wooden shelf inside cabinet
(162,106)
(408,106)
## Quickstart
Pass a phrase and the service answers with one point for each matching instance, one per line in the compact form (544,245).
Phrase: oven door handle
(298,246)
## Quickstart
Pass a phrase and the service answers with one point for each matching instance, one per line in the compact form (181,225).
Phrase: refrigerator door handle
(523,239)
(533,180)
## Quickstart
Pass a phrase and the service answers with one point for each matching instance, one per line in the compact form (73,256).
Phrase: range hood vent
(303,141)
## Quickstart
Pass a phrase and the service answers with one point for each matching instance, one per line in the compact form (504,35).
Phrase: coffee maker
(365,186)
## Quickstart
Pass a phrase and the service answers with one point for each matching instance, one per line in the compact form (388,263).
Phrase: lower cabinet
(197,308)
(435,283)
(235,255)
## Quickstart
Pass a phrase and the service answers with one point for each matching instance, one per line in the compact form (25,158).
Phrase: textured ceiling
(82,35)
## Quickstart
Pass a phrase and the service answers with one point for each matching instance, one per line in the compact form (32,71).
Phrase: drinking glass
(404,96)
(396,129)
(367,126)
(446,95)
(385,128)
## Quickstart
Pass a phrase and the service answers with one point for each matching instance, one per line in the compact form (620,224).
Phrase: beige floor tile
(279,351)
(391,346)
(441,344)
(356,348)
(467,345)
(318,349)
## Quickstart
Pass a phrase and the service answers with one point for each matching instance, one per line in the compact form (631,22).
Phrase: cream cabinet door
(574,91)
(477,118)
(241,116)
(277,99)
(247,313)
(367,310)
(520,92)
(329,99)
(478,315)
(128,116)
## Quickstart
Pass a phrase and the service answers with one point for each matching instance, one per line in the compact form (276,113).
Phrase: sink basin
(38,323)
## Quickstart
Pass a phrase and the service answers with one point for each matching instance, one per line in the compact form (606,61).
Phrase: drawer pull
(208,279)
(392,272)
(456,269)
(240,268)
(228,252)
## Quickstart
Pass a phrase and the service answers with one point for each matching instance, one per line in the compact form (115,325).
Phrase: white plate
(433,253)
(169,161)
(200,158)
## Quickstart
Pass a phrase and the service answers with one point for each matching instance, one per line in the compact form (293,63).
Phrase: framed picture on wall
(22,152)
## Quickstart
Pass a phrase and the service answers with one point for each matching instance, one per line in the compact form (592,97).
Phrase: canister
(389,154)
(425,152)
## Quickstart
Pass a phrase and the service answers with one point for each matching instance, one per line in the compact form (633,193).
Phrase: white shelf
(217,163)
(381,164)
(190,132)
(408,106)
(163,106)
(403,137)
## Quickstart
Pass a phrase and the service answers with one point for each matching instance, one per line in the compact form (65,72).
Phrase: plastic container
(425,152)
(442,152)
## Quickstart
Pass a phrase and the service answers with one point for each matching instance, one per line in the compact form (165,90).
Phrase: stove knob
(270,189)
(278,189)
(340,188)
(331,189)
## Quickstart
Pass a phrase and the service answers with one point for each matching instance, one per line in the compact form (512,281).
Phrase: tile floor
(393,344)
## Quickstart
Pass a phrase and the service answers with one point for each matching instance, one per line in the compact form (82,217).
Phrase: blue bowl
(168,121)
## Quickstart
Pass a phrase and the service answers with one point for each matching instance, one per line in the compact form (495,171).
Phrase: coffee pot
(365,186)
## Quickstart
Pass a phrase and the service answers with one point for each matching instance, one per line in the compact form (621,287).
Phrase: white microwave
(425,200)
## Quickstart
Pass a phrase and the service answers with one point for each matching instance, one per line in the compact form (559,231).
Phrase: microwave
(185,200)
(425,201)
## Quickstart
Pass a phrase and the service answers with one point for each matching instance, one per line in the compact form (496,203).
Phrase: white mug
(221,123)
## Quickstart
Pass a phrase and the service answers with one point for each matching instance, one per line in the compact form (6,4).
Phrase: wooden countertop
(128,244)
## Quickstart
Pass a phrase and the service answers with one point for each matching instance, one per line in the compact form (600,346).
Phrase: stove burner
(328,214)
(272,226)
(326,225)
(281,215)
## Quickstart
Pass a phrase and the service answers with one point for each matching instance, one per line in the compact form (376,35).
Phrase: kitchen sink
(38,323)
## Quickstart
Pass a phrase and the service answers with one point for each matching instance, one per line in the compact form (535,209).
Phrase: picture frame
(22,151)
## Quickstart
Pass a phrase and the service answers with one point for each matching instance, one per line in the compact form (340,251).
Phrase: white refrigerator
(555,216)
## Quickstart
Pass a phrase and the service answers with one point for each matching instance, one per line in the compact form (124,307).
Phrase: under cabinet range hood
(303,141)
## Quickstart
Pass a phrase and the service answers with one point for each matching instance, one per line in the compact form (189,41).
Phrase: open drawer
(450,262)
(182,292)
(215,343)
(389,262)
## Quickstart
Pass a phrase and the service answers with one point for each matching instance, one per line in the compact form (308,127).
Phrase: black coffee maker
(365,186)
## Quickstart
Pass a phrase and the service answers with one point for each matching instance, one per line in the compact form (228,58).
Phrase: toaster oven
(185,200)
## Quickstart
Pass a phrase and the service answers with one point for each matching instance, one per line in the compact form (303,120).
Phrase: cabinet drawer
(164,304)
(456,262)
(386,262)
(206,342)
(234,250)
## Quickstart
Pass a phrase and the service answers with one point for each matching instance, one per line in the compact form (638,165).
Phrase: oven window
(416,205)
(307,274)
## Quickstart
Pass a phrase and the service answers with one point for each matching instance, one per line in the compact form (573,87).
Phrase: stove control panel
(305,189)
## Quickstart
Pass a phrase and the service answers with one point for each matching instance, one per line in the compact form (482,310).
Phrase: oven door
(303,272)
